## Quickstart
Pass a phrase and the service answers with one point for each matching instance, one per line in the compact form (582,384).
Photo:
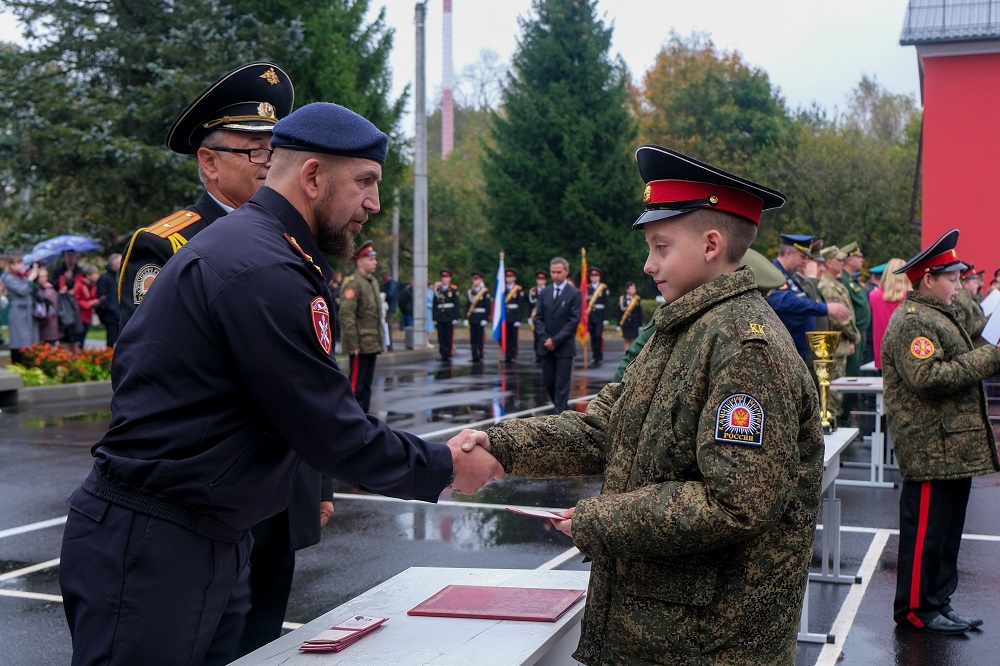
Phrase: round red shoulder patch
(348,293)
(922,347)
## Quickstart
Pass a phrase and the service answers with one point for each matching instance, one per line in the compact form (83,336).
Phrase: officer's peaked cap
(367,249)
(940,257)
(853,250)
(800,242)
(677,184)
(324,127)
(832,252)
(251,98)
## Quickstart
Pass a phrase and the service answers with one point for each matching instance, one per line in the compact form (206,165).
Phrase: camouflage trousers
(836,399)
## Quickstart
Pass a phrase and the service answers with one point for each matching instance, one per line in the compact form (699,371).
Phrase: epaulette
(173,223)
(751,330)
(302,253)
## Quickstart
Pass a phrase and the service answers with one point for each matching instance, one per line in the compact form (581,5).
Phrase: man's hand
(565,526)
(548,344)
(838,311)
(325,513)
(470,439)
(473,468)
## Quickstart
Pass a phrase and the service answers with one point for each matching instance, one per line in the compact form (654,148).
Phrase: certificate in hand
(538,513)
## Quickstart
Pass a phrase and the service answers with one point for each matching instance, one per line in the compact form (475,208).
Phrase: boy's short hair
(739,232)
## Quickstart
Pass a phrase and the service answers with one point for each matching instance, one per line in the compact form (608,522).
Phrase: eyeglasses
(255,155)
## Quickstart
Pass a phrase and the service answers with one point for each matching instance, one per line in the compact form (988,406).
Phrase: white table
(440,641)
(834,445)
(881,443)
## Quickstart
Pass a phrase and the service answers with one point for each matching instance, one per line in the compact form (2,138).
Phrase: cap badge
(320,313)
(922,347)
(271,77)
(740,420)
(265,110)
(647,194)
(713,200)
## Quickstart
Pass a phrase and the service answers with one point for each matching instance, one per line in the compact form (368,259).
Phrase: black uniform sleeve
(276,342)
(142,260)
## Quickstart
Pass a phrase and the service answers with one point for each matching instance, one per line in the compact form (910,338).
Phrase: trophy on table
(823,344)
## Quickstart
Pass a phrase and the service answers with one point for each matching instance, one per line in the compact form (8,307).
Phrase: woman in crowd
(884,300)
(48,329)
(23,330)
(85,291)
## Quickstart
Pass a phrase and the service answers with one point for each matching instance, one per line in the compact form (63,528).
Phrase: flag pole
(583,295)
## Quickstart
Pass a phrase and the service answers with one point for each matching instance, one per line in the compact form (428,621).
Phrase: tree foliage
(86,104)
(560,175)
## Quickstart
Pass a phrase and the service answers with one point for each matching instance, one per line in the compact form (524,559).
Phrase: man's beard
(337,242)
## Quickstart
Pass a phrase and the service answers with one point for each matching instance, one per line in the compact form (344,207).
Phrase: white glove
(606,322)
(618,329)
(517,324)
(482,323)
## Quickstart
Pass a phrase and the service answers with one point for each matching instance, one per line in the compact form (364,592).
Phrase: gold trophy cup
(823,344)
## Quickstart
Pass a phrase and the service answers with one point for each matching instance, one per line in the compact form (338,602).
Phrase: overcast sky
(812,51)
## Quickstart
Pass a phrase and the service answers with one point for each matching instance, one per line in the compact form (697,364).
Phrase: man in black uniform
(228,127)
(446,306)
(155,551)
(540,278)
(513,301)
(478,314)
(597,314)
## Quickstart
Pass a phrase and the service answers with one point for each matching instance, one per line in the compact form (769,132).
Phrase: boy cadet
(710,447)
(598,300)
(970,314)
(480,308)
(937,417)
(361,333)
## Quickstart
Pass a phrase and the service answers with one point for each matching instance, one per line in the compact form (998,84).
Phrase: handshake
(474,463)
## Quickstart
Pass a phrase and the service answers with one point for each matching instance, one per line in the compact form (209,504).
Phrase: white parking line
(38,596)
(849,609)
(17,573)
(32,527)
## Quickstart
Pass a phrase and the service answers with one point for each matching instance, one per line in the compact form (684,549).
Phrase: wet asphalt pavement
(45,453)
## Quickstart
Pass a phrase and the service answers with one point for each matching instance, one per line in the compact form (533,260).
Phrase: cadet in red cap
(478,315)
(710,448)
(513,298)
(361,333)
(446,314)
(936,408)
(598,300)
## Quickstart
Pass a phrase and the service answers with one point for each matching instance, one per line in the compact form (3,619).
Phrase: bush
(59,366)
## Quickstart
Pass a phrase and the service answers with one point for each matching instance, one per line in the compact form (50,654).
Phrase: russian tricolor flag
(499,311)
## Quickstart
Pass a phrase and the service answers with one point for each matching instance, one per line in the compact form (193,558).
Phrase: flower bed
(45,365)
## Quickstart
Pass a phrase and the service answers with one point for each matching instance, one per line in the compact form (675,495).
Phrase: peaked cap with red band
(367,249)
(938,258)
(970,273)
(678,184)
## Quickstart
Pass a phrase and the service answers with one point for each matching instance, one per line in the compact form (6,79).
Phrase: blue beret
(324,127)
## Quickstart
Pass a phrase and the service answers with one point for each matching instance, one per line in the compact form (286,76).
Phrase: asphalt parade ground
(45,454)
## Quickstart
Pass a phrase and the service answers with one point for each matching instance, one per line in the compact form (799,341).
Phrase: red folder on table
(499,603)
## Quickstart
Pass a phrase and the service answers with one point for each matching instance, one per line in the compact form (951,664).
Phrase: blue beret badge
(320,313)
(740,420)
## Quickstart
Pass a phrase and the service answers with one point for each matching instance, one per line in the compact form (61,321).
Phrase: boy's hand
(565,526)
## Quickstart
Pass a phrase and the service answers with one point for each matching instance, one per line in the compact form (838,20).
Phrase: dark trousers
(271,571)
(596,331)
(362,367)
(557,373)
(477,337)
(446,337)
(511,353)
(111,331)
(141,590)
(931,519)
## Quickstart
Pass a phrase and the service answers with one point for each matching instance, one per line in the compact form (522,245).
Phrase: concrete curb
(34,395)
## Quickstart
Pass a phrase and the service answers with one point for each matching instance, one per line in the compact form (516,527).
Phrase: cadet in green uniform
(937,416)
(970,314)
(834,291)
(361,335)
(862,308)
(710,448)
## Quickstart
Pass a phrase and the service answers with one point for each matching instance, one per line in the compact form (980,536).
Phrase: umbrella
(53,247)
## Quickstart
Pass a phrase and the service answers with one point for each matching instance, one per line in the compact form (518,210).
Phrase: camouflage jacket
(361,315)
(934,398)
(834,292)
(712,453)
(970,315)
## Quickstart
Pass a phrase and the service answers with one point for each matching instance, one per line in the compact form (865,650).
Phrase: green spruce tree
(561,174)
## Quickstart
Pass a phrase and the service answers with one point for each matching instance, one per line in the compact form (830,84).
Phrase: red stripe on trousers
(918,552)
(354,371)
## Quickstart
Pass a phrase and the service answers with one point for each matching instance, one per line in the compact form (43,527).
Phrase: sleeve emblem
(348,293)
(143,281)
(922,347)
(320,313)
(740,420)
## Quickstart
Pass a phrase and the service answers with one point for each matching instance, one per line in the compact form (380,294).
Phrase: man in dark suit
(559,309)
